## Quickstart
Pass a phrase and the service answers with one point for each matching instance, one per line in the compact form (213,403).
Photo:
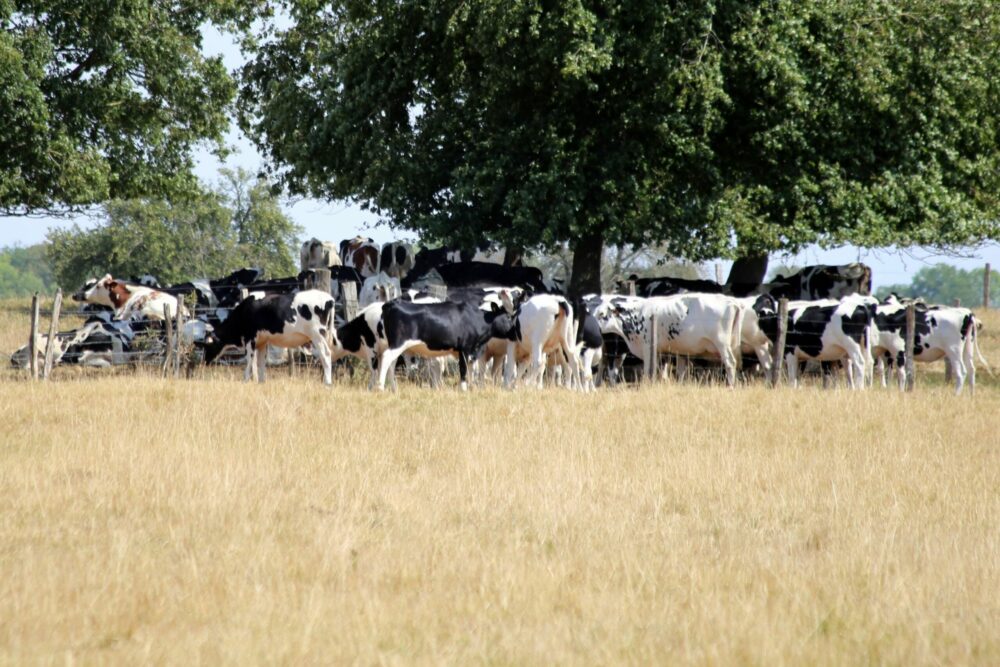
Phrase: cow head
(96,291)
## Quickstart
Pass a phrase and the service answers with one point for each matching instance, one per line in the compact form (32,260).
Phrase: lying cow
(97,343)
(686,324)
(281,320)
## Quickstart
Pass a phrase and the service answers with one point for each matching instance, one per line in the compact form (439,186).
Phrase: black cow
(822,282)
(480,274)
(666,286)
(439,329)
(430,258)
(282,320)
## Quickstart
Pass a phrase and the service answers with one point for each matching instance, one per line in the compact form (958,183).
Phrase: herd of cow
(506,320)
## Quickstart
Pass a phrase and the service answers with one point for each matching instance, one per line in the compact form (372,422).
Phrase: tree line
(723,129)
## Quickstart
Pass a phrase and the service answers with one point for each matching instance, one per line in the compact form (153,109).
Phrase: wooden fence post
(718,273)
(630,287)
(986,287)
(778,359)
(654,349)
(911,335)
(53,331)
(319,279)
(33,339)
(178,342)
(349,292)
(168,328)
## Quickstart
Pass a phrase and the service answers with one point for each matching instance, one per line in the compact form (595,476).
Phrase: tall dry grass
(146,520)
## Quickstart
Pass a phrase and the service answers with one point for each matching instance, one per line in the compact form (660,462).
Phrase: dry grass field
(207,521)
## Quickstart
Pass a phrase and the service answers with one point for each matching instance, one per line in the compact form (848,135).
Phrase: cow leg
(387,364)
(249,363)
(261,363)
(968,349)
(682,368)
(792,366)
(957,367)
(325,358)
(463,370)
(510,365)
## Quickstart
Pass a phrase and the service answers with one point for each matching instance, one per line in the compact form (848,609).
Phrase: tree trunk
(747,274)
(587,255)
(513,256)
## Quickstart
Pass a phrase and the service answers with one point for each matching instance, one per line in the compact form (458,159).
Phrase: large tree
(725,128)
(104,100)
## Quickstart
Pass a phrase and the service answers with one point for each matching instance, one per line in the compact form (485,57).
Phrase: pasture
(210,521)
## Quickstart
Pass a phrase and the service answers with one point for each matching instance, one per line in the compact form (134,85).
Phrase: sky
(334,221)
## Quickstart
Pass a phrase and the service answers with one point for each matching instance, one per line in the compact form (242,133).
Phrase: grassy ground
(205,520)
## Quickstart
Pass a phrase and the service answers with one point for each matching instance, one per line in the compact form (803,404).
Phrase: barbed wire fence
(161,343)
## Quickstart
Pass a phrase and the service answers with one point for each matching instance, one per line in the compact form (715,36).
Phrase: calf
(439,329)
(589,348)
(281,320)
(687,324)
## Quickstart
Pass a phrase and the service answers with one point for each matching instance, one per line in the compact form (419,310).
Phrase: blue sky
(338,220)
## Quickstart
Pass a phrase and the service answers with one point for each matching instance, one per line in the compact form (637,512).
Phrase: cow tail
(330,324)
(974,342)
(736,336)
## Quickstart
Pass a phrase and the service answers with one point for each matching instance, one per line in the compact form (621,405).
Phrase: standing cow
(361,254)
(316,254)
(281,320)
(687,324)
(397,259)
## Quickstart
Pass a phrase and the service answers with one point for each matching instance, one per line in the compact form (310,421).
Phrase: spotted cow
(280,320)
(361,254)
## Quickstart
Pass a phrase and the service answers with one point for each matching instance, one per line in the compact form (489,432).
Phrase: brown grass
(146,520)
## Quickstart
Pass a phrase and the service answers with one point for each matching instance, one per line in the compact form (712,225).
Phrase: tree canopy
(716,129)
(105,100)
(240,224)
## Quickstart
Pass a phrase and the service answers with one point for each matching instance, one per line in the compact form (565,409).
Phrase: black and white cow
(439,329)
(823,331)
(941,332)
(396,260)
(381,287)
(98,342)
(822,282)
(281,320)
(589,344)
(478,274)
(687,324)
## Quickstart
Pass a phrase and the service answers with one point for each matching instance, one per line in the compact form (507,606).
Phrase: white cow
(543,325)
(316,254)
(687,324)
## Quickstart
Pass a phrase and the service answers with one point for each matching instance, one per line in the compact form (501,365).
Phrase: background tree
(24,271)
(715,129)
(943,283)
(238,225)
(105,100)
